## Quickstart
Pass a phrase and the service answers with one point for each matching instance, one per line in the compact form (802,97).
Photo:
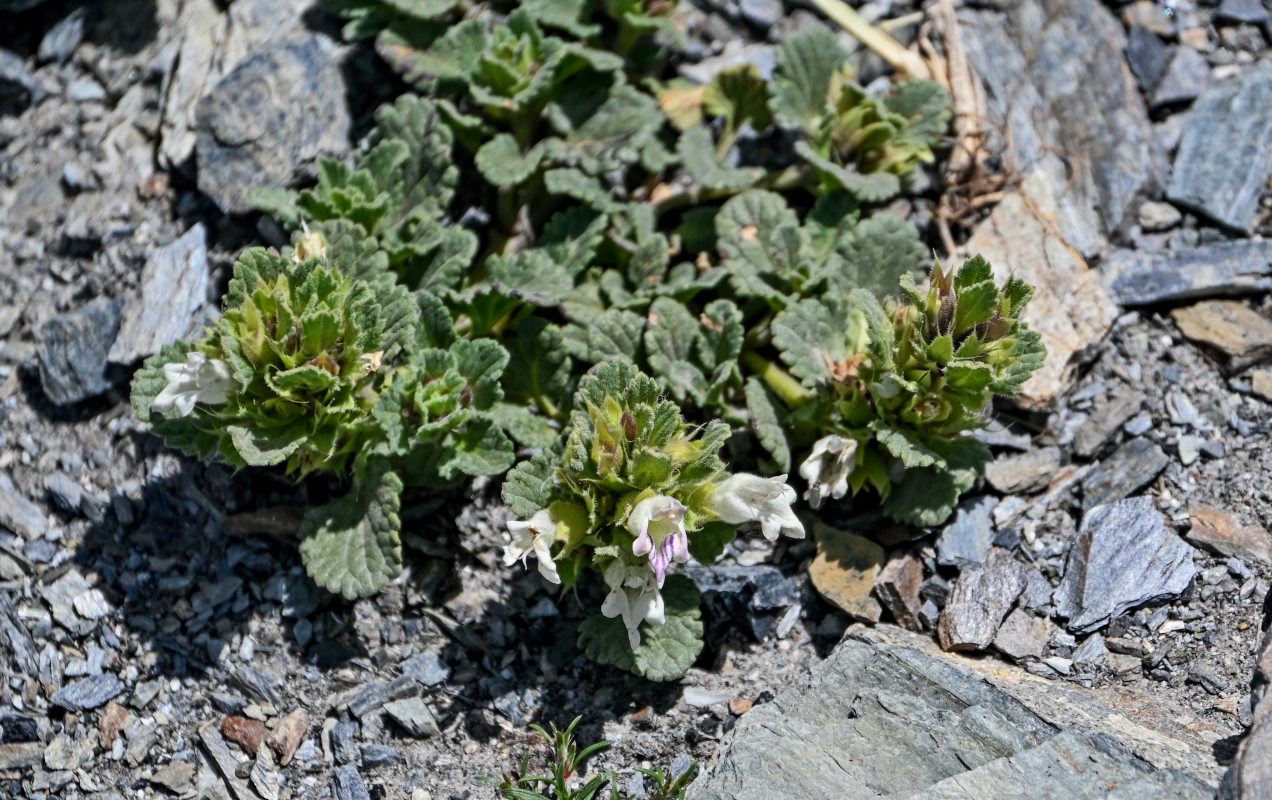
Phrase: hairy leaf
(666,651)
(351,546)
(670,338)
(806,63)
(529,486)
(767,424)
(697,153)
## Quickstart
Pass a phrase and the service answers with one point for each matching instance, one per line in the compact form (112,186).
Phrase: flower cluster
(633,491)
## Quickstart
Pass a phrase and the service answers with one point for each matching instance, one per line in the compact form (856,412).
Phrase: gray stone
(375,694)
(297,95)
(1155,216)
(89,693)
(1248,11)
(72,350)
(19,514)
(379,755)
(967,539)
(1186,78)
(980,599)
(65,492)
(1148,55)
(1189,449)
(1124,557)
(18,87)
(426,667)
(60,42)
(415,717)
(1104,422)
(1091,651)
(1136,278)
(897,586)
(1022,635)
(62,595)
(763,56)
(85,90)
(344,741)
(761,13)
(887,715)
(66,753)
(1023,473)
(174,287)
(1124,473)
(1250,776)
(1225,154)
(348,785)
(176,777)
(22,754)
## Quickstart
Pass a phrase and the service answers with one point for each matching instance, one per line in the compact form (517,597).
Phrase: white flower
(827,468)
(751,498)
(536,536)
(198,380)
(634,596)
(658,523)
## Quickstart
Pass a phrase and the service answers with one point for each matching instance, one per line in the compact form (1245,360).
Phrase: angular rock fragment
(348,784)
(1250,776)
(288,734)
(1125,472)
(1022,635)
(1186,78)
(1091,651)
(72,350)
(1225,154)
(246,733)
(897,585)
(177,777)
(980,599)
(415,717)
(1023,473)
(113,721)
(89,693)
(427,667)
(1219,532)
(844,571)
(376,693)
(966,540)
(1105,420)
(1240,335)
(19,514)
(174,287)
(1123,557)
(21,754)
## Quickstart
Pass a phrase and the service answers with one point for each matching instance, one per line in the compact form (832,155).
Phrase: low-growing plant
(563,762)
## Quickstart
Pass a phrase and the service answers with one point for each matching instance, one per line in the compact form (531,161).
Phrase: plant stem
(888,49)
(791,392)
(787,179)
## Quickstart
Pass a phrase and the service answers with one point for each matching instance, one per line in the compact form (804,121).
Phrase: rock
(1185,80)
(887,715)
(763,56)
(1240,335)
(89,693)
(1148,56)
(1022,635)
(701,698)
(203,31)
(72,349)
(897,585)
(1250,776)
(414,716)
(1122,474)
(19,514)
(18,88)
(1040,61)
(1225,154)
(379,755)
(980,599)
(174,287)
(85,90)
(348,785)
(177,777)
(1260,384)
(1218,532)
(1091,651)
(1189,449)
(749,596)
(344,741)
(763,14)
(246,733)
(967,539)
(1137,278)
(64,753)
(376,693)
(1105,420)
(844,571)
(225,762)
(1070,309)
(299,113)
(288,735)
(24,754)
(264,774)
(1124,557)
(1147,14)
(739,706)
(60,42)
(1248,11)
(114,719)
(1155,216)
(426,667)
(1023,473)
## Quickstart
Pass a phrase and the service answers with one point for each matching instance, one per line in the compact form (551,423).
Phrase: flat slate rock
(18,514)
(1240,335)
(1250,776)
(966,540)
(88,693)
(1122,474)
(1123,557)
(72,350)
(174,286)
(1023,473)
(980,599)
(886,715)
(296,94)
(1225,153)
(1137,278)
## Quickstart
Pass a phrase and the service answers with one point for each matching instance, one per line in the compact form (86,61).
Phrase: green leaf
(571,237)
(566,15)
(806,63)
(589,189)
(614,335)
(482,449)
(530,275)
(481,362)
(707,544)
(200,435)
(428,174)
(436,328)
(873,187)
(351,546)
(501,161)
(614,135)
(740,95)
(812,336)
(767,424)
(926,497)
(903,444)
(925,106)
(697,154)
(265,447)
(760,240)
(277,202)
(666,651)
(523,425)
(877,253)
(879,328)
(542,371)
(975,304)
(529,486)
(670,338)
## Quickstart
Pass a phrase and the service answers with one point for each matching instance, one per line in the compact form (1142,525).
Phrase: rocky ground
(155,634)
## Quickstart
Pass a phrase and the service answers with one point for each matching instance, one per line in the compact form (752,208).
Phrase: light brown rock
(1023,473)
(287,737)
(844,571)
(897,585)
(1261,383)
(1071,309)
(1230,327)
(113,720)
(1218,531)
(247,733)
(1022,635)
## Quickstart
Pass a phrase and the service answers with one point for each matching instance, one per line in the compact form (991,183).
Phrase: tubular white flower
(751,498)
(634,596)
(198,380)
(658,523)
(827,468)
(536,536)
